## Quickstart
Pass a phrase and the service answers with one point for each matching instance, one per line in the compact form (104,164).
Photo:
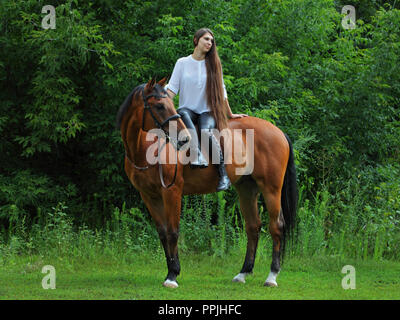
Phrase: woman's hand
(238,115)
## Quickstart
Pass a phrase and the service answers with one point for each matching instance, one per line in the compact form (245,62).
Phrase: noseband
(167,137)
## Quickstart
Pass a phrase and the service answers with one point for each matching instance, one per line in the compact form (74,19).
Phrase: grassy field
(136,277)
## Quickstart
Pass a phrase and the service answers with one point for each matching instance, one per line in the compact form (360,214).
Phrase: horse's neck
(137,146)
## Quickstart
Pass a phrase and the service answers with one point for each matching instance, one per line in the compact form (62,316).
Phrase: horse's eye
(160,107)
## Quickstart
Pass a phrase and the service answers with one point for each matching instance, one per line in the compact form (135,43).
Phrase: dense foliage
(335,91)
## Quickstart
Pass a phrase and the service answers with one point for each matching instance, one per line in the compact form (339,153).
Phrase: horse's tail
(289,199)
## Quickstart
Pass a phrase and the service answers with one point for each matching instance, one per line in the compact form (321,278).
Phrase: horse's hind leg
(248,194)
(272,198)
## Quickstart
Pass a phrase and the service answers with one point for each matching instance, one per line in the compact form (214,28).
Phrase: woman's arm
(171,94)
(174,81)
(232,115)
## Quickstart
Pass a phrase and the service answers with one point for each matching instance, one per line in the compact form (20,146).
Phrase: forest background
(334,91)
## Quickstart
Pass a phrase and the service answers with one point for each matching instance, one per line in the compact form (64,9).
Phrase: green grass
(140,276)
(106,263)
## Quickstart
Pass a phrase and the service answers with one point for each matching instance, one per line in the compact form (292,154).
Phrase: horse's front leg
(172,208)
(165,211)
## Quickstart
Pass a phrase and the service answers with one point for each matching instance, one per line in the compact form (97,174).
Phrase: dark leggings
(206,124)
(205,121)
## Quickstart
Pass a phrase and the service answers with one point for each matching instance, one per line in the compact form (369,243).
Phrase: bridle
(167,137)
(158,124)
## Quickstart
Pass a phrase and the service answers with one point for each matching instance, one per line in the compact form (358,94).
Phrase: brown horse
(273,174)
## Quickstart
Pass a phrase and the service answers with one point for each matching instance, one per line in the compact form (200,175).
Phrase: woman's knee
(185,111)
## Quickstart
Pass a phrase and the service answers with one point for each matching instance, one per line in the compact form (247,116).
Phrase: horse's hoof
(240,278)
(170,284)
(271,280)
(270,284)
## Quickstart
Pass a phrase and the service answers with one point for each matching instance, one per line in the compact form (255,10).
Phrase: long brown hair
(214,87)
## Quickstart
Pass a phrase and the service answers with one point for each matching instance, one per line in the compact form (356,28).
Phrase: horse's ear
(162,81)
(149,86)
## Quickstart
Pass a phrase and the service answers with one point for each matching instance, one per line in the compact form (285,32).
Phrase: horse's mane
(159,90)
(126,104)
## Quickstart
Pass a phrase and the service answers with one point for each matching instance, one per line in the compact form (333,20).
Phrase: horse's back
(263,129)
(255,148)
(270,147)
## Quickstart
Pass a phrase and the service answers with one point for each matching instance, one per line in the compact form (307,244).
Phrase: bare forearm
(228,107)
(233,115)
(171,94)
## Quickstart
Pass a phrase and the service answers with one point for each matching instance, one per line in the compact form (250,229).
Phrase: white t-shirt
(189,79)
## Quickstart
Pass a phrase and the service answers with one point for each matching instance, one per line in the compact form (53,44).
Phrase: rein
(167,139)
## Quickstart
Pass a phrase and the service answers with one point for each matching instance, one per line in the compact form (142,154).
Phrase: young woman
(202,97)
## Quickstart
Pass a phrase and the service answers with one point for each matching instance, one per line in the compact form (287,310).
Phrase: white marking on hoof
(170,284)
(240,278)
(271,280)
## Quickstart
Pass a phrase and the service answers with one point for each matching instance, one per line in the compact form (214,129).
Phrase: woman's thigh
(206,121)
(189,113)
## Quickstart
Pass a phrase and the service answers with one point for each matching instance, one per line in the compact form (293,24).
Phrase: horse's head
(159,113)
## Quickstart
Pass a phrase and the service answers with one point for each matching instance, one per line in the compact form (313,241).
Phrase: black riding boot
(200,161)
(224,182)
